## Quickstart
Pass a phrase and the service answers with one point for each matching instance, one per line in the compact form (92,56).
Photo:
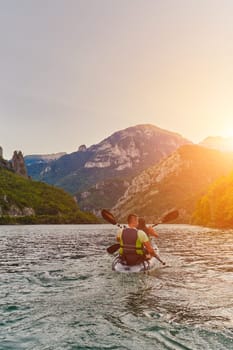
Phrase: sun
(229,143)
(226,128)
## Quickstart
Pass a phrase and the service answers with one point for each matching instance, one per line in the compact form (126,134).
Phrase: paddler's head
(133,220)
(141,223)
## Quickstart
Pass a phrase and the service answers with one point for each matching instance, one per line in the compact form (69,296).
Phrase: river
(57,290)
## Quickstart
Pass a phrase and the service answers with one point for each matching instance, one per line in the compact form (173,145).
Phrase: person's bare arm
(149,248)
(152,232)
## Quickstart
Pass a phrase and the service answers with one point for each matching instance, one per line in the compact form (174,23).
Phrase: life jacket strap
(131,247)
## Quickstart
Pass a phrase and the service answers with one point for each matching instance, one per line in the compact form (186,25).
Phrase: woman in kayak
(147,229)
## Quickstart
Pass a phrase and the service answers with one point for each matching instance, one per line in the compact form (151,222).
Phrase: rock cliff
(177,181)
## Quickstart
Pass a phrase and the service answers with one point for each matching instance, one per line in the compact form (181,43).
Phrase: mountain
(177,181)
(215,208)
(25,201)
(99,175)
(224,144)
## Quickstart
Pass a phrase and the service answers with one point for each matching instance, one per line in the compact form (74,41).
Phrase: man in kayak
(135,246)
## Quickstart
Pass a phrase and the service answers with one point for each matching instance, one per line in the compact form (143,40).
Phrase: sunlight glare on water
(57,290)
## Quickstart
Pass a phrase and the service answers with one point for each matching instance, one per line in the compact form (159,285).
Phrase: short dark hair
(130,217)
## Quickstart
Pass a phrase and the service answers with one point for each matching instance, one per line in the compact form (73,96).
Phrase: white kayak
(147,265)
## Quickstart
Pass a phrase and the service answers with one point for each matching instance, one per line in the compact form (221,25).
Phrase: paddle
(113,248)
(169,216)
(109,217)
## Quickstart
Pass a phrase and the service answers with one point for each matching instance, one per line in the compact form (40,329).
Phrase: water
(57,291)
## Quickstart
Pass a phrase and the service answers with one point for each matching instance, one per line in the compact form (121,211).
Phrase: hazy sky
(74,71)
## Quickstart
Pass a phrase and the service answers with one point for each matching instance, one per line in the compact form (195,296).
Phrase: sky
(73,72)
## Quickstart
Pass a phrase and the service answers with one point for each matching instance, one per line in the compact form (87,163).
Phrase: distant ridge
(34,158)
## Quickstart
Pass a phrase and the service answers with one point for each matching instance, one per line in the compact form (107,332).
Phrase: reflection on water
(57,291)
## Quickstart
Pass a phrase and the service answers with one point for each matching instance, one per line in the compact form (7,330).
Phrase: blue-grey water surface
(57,291)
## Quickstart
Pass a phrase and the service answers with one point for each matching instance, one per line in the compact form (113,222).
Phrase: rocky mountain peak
(127,148)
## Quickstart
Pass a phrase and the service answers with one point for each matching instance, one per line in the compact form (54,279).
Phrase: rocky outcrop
(82,148)
(18,164)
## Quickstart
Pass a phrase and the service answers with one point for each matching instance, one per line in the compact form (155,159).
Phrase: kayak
(119,266)
(147,265)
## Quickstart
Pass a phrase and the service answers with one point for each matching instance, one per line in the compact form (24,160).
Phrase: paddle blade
(108,216)
(113,248)
(170,216)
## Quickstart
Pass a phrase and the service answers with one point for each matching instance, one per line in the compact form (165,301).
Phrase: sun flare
(229,143)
